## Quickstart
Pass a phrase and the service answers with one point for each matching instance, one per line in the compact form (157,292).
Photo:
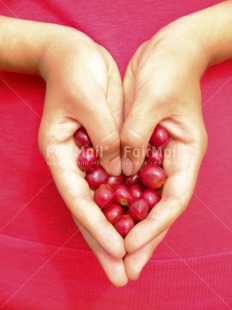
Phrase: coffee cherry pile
(125,200)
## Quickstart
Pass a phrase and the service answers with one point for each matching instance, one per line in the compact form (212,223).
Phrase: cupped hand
(161,86)
(83,88)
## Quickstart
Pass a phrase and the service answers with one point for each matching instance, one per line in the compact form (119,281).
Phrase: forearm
(214,27)
(201,39)
(22,43)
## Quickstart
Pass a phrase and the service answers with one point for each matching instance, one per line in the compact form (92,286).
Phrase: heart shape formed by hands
(84,89)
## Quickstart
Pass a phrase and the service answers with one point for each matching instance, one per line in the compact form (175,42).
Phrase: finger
(132,134)
(137,129)
(142,112)
(136,261)
(182,168)
(113,267)
(76,194)
(149,96)
(85,100)
(97,119)
(129,81)
(100,94)
(115,93)
(62,159)
(128,89)
(115,102)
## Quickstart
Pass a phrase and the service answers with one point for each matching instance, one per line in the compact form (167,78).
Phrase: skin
(161,85)
(76,71)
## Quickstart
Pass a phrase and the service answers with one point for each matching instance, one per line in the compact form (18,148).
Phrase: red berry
(87,159)
(124,225)
(131,180)
(152,197)
(113,213)
(81,138)
(152,176)
(125,211)
(96,177)
(104,196)
(138,209)
(136,190)
(115,180)
(155,157)
(159,137)
(123,195)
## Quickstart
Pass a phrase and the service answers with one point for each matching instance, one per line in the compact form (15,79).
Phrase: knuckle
(204,141)
(175,206)
(40,142)
(165,97)
(200,142)
(175,202)
(46,139)
(158,97)
(75,205)
(110,142)
(133,138)
(154,220)
(76,200)
(50,139)
(43,140)
(54,134)
(76,93)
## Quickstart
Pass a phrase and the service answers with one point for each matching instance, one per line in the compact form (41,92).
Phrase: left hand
(83,89)
(161,85)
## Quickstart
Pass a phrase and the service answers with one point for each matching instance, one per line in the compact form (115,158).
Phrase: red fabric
(44,261)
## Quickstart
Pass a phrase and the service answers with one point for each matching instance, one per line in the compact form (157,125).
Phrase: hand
(161,85)
(83,89)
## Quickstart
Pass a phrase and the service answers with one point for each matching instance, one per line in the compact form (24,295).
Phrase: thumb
(104,134)
(140,120)
(135,136)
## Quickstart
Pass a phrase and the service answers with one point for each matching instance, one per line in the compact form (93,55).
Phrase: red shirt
(44,261)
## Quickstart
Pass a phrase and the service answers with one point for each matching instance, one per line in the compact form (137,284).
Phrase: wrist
(214,26)
(62,44)
(208,32)
(182,41)
(24,44)
(21,44)
(202,38)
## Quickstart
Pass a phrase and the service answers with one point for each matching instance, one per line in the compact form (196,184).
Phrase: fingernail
(127,166)
(115,166)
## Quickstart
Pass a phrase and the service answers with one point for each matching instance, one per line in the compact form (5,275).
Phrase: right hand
(162,86)
(83,89)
